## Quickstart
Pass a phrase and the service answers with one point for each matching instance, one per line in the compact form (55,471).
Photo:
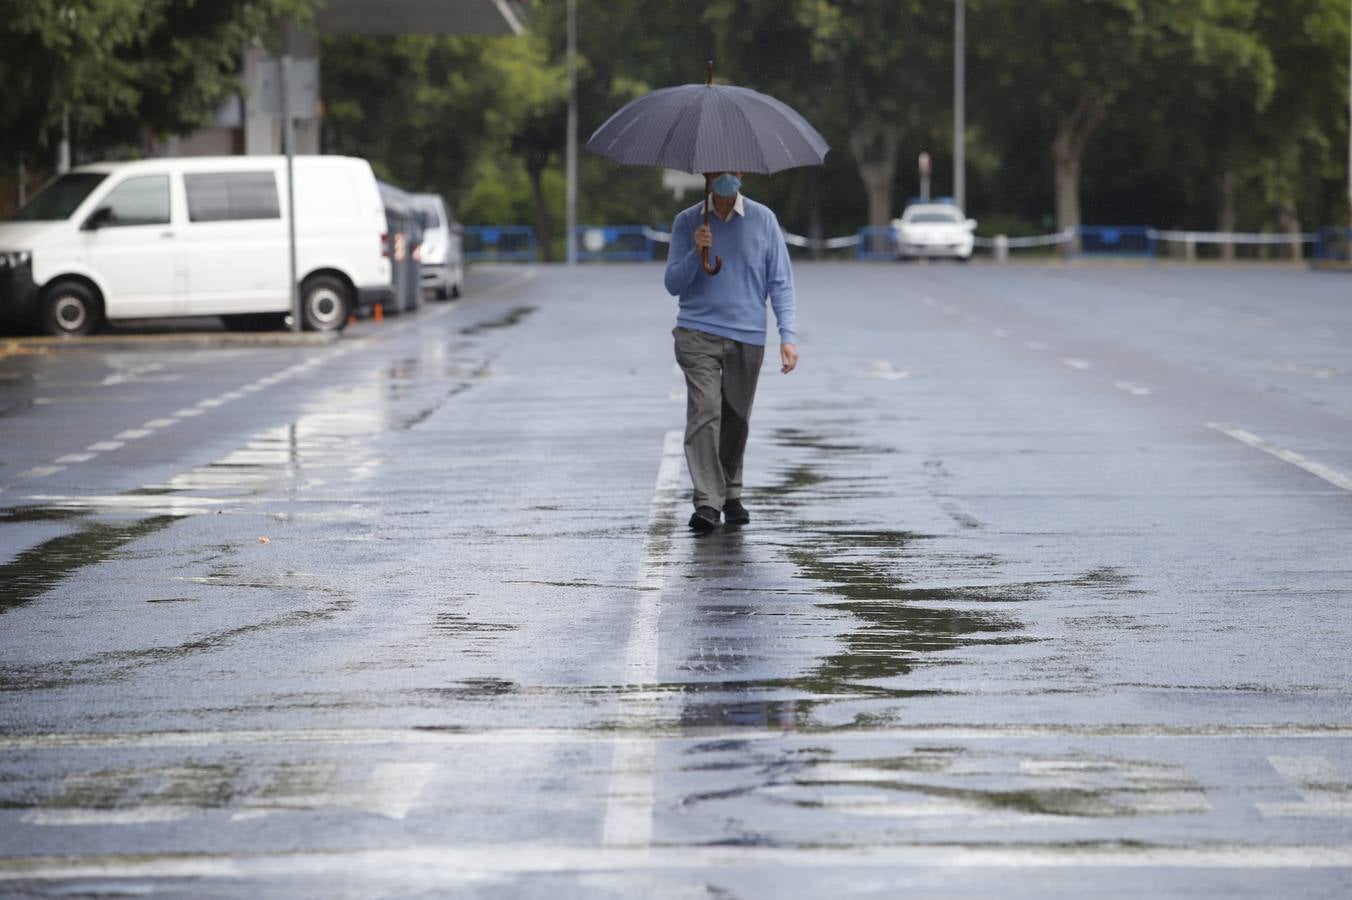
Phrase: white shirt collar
(737,206)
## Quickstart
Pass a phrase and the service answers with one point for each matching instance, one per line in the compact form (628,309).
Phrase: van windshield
(60,199)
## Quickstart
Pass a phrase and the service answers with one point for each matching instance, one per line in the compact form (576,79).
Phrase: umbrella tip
(711,73)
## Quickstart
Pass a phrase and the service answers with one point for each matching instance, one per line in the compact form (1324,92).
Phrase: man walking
(720,336)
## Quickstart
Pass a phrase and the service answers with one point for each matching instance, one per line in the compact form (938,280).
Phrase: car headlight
(14,259)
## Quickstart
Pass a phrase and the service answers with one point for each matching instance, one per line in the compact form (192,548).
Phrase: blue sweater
(731,304)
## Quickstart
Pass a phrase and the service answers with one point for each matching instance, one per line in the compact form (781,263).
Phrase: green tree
(120,67)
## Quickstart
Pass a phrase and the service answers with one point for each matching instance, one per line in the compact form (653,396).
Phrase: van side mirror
(98,219)
(971,224)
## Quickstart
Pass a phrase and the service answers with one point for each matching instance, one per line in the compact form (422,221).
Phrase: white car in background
(934,230)
(443,258)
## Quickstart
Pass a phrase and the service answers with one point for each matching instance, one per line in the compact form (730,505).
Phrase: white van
(196,236)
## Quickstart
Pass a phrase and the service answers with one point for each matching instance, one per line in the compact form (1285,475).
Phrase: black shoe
(735,512)
(704,519)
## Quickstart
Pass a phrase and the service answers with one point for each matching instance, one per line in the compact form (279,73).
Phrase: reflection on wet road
(408,615)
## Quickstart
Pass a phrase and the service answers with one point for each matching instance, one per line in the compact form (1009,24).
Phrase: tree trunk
(543,228)
(1073,131)
(1288,220)
(1066,160)
(874,145)
(815,231)
(1226,215)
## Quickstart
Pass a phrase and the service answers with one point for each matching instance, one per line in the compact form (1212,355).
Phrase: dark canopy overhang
(421,17)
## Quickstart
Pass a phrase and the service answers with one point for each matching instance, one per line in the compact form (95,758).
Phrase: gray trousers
(720,383)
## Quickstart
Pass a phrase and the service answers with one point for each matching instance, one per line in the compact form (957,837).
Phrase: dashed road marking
(106,446)
(1319,470)
(883,369)
(42,471)
(1325,791)
(71,459)
(158,423)
(1034,345)
(1000,333)
(187,413)
(1080,365)
(1131,387)
(135,434)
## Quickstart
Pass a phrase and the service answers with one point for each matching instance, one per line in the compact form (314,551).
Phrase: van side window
(232,196)
(138,201)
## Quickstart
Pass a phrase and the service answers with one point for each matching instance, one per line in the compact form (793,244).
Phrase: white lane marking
(159,423)
(135,434)
(629,797)
(582,736)
(1035,345)
(1080,365)
(106,446)
(1000,333)
(71,459)
(166,504)
(42,471)
(210,403)
(1325,791)
(1319,470)
(137,815)
(393,789)
(232,395)
(883,369)
(187,413)
(1131,387)
(434,865)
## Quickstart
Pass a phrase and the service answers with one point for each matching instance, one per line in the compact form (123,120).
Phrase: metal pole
(960,103)
(1349,116)
(63,149)
(571,164)
(289,139)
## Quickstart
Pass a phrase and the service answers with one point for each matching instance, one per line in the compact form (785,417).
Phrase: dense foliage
(120,68)
(1185,113)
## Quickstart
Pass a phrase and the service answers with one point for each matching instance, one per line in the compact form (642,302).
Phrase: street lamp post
(960,104)
(570,200)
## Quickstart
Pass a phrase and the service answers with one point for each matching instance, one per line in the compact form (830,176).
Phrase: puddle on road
(512,317)
(38,569)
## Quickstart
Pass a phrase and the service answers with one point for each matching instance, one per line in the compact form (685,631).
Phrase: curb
(41,346)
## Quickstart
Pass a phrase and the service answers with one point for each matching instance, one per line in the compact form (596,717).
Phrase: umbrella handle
(704,254)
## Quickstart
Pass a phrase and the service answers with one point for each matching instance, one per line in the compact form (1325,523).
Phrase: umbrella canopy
(703,128)
(709,128)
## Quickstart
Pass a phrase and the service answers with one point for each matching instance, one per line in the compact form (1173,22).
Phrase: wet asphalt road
(1046,593)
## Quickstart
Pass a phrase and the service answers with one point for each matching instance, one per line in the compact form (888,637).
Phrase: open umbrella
(709,127)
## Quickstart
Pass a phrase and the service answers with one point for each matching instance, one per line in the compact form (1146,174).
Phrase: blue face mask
(727,185)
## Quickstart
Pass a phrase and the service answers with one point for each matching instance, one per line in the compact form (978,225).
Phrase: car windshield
(60,199)
(932,216)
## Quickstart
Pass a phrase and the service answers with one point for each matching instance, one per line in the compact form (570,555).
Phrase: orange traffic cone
(380,312)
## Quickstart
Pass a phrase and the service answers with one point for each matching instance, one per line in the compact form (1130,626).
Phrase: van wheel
(325,303)
(70,309)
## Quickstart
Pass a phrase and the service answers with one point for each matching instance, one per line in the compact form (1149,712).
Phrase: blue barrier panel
(613,243)
(1116,240)
(499,243)
(1334,244)
(876,242)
